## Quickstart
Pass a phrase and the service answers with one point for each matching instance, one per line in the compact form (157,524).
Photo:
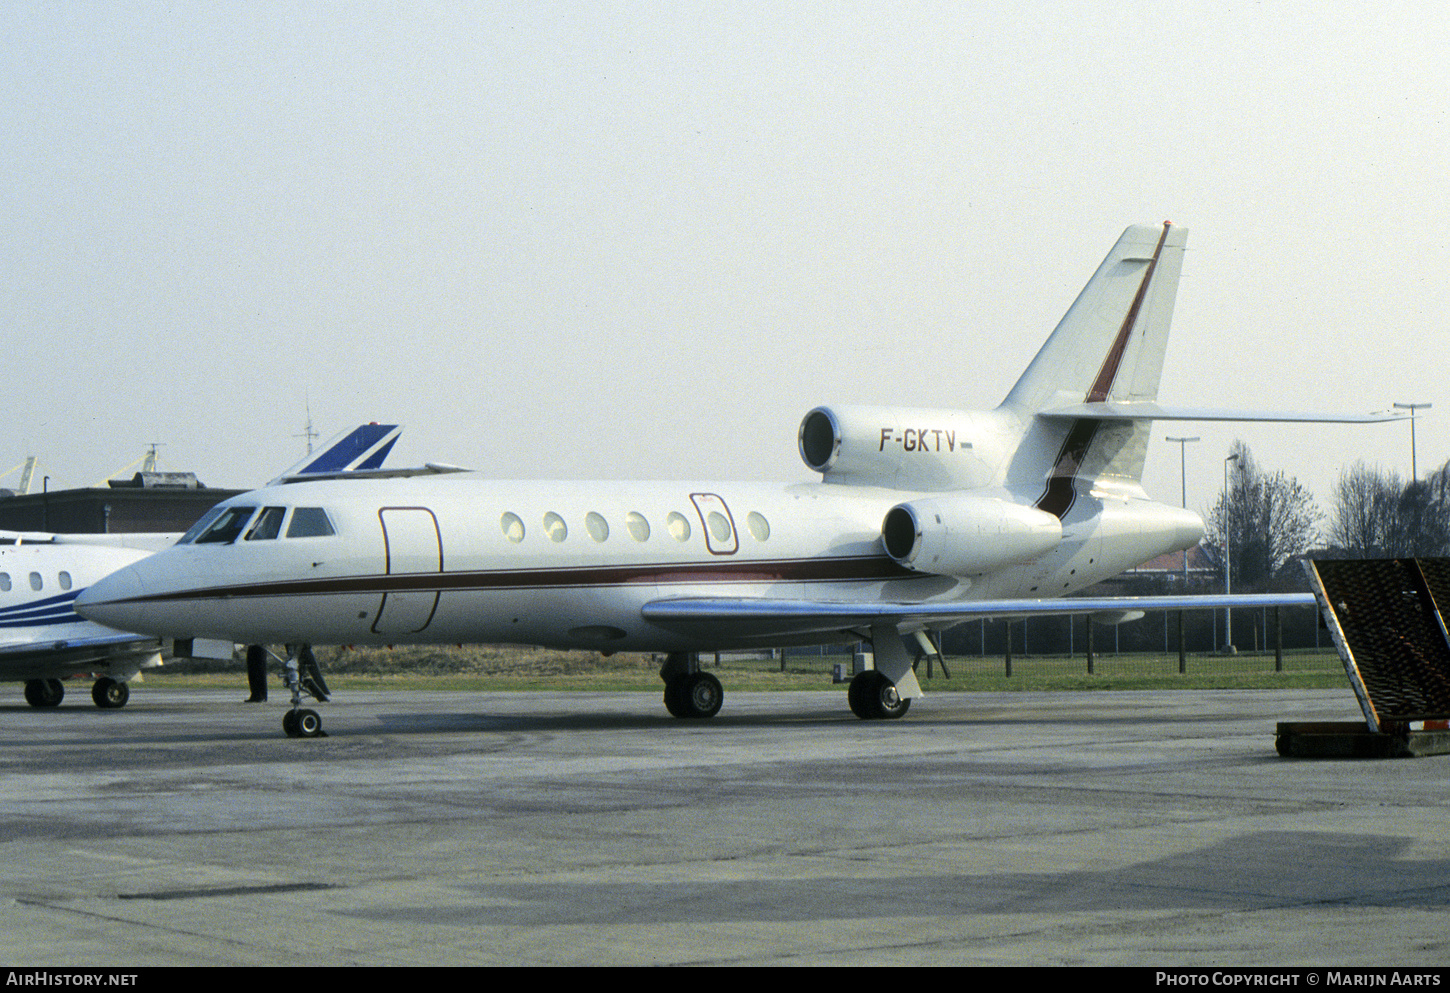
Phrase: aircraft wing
(760,617)
(67,651)
(1138,411)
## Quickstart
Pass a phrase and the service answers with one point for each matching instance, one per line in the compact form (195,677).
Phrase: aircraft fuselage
(570,564)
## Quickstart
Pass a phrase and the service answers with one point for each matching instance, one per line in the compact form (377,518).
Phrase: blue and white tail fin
(360,449)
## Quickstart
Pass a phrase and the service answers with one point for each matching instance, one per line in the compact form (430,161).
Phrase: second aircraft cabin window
(555,527)
(36,582)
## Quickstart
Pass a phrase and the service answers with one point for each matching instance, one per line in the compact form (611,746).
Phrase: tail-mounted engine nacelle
(894,446)
(966,535)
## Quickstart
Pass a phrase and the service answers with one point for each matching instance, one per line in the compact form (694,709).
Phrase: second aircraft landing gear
(44,692)
(109,694)
(688,691)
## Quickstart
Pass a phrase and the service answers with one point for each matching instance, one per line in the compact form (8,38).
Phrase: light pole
(1183,484)
(1412,407)
(1228,631)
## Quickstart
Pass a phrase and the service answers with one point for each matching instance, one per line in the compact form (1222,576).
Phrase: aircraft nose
(114,601)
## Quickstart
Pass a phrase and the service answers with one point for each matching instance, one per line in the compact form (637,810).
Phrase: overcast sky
(643,239)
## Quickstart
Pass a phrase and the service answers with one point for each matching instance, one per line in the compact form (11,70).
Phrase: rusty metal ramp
(1387,619)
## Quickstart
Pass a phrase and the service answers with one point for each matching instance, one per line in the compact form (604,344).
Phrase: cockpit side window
(269,524)
(310,522)
(227,526)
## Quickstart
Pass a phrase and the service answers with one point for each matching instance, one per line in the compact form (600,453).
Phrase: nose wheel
(302,723)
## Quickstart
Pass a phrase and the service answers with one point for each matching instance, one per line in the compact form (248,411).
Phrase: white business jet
(923,519)
(43,641)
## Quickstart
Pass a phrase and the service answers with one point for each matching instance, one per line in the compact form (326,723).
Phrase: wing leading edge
(758,618)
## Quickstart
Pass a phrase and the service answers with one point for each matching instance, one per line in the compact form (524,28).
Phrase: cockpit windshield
(227,526)
(224,525)
(203,522)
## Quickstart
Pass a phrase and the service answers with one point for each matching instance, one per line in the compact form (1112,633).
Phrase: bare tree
(1377,515)
(1268,519)
(1366,510)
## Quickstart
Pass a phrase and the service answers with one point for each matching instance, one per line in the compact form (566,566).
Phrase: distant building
(1169,567)
(147,502)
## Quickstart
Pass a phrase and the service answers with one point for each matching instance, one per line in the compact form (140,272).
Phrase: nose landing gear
(302,675)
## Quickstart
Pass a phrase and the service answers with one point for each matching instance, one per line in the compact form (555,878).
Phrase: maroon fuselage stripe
(1061,489)
(827,570)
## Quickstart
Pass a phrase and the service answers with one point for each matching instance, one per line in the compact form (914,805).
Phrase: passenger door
(413,553)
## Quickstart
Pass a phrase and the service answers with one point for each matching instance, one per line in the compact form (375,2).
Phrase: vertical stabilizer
(1109,346)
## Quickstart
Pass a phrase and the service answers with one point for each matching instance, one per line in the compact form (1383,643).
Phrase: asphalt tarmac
(439,828)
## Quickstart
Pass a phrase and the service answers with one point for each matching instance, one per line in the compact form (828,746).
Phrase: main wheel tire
(697,694)
(704,695)
(109,694)
(873,697)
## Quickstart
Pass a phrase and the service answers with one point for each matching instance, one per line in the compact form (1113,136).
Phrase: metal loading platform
(1387,619)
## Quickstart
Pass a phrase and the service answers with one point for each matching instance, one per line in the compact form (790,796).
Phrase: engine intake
(961,535)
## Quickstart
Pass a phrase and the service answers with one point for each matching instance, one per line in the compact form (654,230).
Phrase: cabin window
(65,580)
(310,522)
(597,526)
(269,524)
(4,582)
(227,526)
(36,583)
(555,527)
(638,526)
(678,526)
(512,527)
(757,524)
(719,526)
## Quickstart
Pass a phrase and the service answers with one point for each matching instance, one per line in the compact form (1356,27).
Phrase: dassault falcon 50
(922,519)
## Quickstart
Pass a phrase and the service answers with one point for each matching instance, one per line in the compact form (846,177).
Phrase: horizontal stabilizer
(1148,411)
(430,469)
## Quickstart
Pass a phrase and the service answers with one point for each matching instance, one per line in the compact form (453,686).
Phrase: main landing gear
(108,693)
(688,691)
(885,690)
